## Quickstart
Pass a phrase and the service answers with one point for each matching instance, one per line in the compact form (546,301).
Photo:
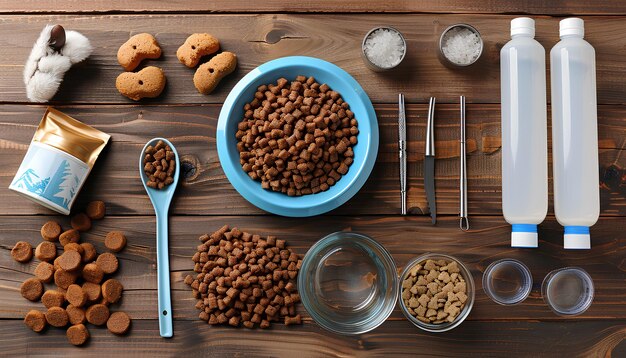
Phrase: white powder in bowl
(461,45)
(384,48)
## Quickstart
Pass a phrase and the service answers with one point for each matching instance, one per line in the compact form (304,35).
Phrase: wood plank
(405,238)
(206,191)
(306,6)
(333,37)
(197,339)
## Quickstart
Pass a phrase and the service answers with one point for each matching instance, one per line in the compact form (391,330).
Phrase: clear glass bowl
(568,291)
(467,276)
(507,281)
(348,283)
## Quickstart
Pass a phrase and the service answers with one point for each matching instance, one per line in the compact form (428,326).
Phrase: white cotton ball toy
(54,52)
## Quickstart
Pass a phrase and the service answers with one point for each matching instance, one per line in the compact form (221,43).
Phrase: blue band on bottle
(582,230)
(524,228)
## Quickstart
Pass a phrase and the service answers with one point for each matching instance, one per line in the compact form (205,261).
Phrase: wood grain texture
(398,6)
(398,339)
(206,191)
(336,38)
(405,238)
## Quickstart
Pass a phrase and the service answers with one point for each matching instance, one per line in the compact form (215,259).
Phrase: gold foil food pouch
(63,132)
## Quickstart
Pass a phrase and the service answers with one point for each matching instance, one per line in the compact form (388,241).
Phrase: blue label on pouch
(50,177)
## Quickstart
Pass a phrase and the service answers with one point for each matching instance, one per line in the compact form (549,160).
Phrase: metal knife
(429,161)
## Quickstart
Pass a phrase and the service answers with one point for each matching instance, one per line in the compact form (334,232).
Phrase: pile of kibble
(297,137)
(159,164)
(245,279)
(81,295)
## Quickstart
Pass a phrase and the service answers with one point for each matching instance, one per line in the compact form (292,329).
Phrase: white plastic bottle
(574,134)
(524,133)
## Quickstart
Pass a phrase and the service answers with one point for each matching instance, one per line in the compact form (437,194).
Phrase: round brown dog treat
(72,246)
(44,271)
(50,231)
(53,298)
(76,315)
(70,260)
(31,289)
(97,314)
(115,241)
(57,317)
(81,222)
(71,235)
(76,296)
(22,251)
(35,320)
(96,210)
(118,323)
(89,252)
(195,47)
(46,251)
(112,290)
(64,279)
(136,49)
(77,334)
(93,273)
(147,83)
(92,290)
(209,74)
(107,262)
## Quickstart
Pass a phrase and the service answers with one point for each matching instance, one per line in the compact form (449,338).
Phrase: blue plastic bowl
(365,150)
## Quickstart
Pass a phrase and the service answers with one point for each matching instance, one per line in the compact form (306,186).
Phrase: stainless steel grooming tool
(429,161)
(402,148)
(463,219)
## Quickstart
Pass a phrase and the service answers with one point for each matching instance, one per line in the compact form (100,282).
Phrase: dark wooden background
(331,30)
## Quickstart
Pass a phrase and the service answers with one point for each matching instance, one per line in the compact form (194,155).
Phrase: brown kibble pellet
(63,279)
(115,241)
(107,262)
(118,323)
(81,222)
(70,260)
(93,273)
(71,235)
(93,291)
(57,317)
(53,298)
(95,210)
(77,334)
(72,246)
(89,252)
(76,296)
(22,251)
(31,289)
(50,231)
(112,290)
(97,314)
(44,271)
(46,251)
(76,315)
(293,320)
(35,320)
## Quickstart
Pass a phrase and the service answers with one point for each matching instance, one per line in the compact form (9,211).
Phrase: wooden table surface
(331,30)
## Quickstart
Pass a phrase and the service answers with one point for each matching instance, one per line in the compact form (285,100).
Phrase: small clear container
(469,281)
(348,283)
(568,291)
(507,281)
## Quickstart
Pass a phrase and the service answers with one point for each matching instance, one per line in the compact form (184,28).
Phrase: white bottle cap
(576,238)
(523,26)
(572,26)
(524,239)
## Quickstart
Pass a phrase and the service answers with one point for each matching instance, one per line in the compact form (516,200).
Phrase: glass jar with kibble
(436,292)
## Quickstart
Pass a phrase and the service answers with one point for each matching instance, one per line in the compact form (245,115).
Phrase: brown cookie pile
(244,279)
(159,164)
(80,295)
(297,138)
(434,291)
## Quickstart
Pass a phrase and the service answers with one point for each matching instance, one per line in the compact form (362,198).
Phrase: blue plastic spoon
(161,200)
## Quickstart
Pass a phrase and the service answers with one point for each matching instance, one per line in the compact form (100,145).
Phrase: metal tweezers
(402,147)
(463,219)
